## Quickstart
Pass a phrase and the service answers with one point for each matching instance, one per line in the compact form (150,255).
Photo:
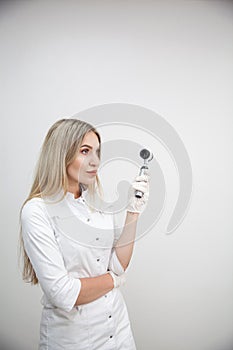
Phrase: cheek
(75,167)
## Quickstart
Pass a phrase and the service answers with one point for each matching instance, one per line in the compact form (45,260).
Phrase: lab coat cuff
(72,297)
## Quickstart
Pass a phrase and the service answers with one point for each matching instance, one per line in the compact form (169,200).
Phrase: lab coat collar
(84,193)
(56,206)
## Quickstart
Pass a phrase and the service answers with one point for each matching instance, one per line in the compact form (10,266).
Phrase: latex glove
(118,280)
(141,183)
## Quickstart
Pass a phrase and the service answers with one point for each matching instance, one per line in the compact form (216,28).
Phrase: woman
(69,246)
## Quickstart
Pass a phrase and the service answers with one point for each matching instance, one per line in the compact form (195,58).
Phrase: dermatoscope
(147,156)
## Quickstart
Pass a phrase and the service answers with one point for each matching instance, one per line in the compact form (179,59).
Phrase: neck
(75,189)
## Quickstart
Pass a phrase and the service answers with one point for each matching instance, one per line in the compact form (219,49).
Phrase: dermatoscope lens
(144,153)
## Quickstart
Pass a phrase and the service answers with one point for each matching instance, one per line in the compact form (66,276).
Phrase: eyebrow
(89,147)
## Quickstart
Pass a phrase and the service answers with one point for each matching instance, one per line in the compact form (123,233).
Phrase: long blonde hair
(58,150)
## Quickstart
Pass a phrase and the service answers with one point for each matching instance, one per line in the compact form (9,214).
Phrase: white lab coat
(65,242)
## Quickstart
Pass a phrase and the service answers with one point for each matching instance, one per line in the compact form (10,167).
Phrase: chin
(88,182)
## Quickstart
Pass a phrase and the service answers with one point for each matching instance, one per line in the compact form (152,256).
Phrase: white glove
(141,183)
(118,280)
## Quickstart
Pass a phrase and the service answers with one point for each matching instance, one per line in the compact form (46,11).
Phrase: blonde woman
(69,247)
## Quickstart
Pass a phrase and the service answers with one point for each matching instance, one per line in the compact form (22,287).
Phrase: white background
(174,57)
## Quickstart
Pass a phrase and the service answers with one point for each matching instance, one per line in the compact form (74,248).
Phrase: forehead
(90,139)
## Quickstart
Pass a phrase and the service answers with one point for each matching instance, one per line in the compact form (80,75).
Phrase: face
(87,160)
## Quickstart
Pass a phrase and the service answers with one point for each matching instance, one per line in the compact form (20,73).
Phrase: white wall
(173,57)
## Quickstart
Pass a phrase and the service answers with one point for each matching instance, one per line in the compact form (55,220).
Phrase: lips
(92,172)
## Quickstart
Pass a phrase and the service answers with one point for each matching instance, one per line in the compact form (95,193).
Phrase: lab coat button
(88,219)
(109,316)
(98,259)
(97,238)
(111,336)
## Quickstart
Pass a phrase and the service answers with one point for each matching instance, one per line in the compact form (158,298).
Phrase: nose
(94,160)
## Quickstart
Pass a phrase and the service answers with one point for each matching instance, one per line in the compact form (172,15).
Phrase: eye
(83,150)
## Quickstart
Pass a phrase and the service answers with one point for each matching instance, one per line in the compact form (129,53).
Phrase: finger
(141,187)
(144,178)
(141,183)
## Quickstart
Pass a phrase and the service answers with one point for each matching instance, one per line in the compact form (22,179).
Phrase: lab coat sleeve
(41,246)
(114,263)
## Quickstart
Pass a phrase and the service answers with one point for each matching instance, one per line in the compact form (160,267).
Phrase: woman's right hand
(118,280)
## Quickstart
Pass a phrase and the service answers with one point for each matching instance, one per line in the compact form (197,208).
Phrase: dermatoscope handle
(139,194)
